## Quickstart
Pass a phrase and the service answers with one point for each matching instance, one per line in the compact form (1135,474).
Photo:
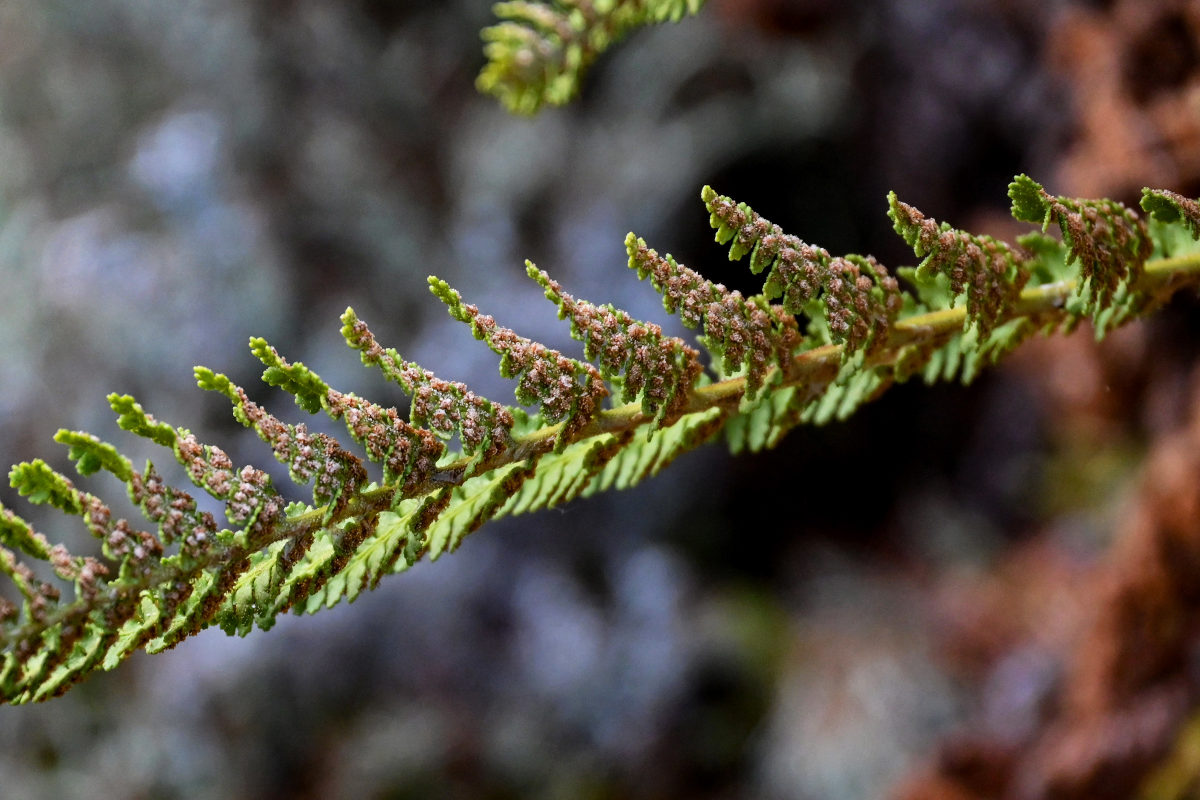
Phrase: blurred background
(905,604)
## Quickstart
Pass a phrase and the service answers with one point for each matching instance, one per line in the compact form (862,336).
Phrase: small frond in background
(538,54)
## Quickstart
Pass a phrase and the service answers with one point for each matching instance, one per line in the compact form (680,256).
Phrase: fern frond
(472,504)
(150,589)
(538,54)
(335,473)
(446,408)
(92,455)
(764,424)
(328,574)
(561,477)
(634,464)
(15,533)
(965,355)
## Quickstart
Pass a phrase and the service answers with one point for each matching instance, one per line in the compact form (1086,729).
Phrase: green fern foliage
(568,391)
(561,477)
(538,53)
(401,489)
(748,334)
(858,298)
(990,272)
(1171,207)
(1109,241)
(655,369)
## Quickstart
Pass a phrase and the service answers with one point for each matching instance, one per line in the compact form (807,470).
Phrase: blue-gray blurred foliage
(176,177)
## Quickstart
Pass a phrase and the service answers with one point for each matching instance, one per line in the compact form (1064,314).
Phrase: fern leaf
(331,572)
(153,588)
(537,55)
(86,652)
(92,455)
(322,585)
(965,355)
(562,477)
(1109,241)
(854,386)
(641,459)
(744,333)
(131,417)
(859,299)
(658,370)
(306,572)
(16,533)
(1166,206)
(434,525)
(256,588)
(36,481)
(990,272)
(763,424)
(134,632)
(568,391)
(444,408)
(306,455)
(295,379)
(472,504)
(247,492)
(193,605)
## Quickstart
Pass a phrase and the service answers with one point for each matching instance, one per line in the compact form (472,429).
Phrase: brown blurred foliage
(1086,668)
(1134,68)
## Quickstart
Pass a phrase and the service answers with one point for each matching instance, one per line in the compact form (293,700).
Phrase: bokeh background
(898,605)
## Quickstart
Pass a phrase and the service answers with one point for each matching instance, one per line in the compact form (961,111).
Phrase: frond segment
(990,272)
(658,370)
(538,53)
(444,408)
(568,391)
(1169,207)
(745,333)
(858,298)
(1109,241)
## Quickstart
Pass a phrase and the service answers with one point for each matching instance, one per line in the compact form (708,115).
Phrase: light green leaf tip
(131,417)
(16,533)
(92,455)
(211,381)
(296,379)
(1028,201)
(450,296)
(42,485)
